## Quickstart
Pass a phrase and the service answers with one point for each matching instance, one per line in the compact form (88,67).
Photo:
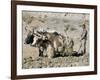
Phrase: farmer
(83,39)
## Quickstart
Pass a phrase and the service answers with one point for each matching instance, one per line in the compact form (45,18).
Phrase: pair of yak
(51,44)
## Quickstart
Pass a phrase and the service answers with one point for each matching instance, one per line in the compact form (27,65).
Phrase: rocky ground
(44,62)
